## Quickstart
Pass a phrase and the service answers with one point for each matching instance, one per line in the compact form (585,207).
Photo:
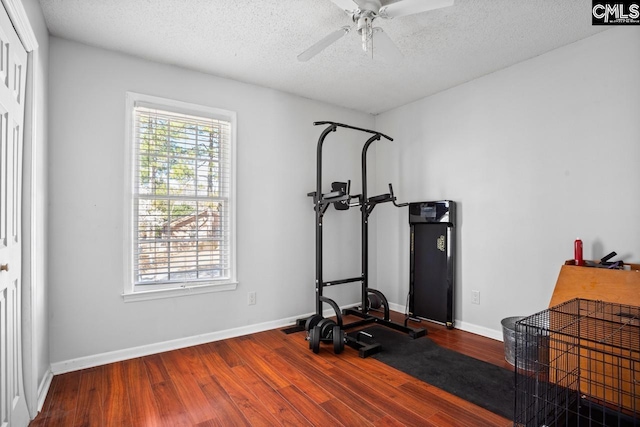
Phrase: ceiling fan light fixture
(365,29)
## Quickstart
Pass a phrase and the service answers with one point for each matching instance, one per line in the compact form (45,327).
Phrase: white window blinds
(181,190)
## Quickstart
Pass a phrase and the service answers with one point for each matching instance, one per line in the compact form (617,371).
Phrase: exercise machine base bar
(367,319)
(363,342)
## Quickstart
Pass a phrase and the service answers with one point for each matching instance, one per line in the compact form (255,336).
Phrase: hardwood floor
(265,379)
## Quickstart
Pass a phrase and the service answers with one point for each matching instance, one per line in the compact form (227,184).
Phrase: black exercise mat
(482,383)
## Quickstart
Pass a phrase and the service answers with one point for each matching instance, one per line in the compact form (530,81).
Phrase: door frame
(30,192)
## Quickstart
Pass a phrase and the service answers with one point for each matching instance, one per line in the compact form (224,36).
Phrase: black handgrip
(342,125)
(608,257)
(393,198)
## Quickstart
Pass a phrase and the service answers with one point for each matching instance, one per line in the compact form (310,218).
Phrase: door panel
(13,62)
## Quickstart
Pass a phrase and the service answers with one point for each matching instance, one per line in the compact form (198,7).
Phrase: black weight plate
(326,325)
(311,322)
(314,339)
(338,339)
(375,301)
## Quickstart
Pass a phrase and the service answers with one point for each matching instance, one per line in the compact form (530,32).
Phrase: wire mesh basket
(590,373)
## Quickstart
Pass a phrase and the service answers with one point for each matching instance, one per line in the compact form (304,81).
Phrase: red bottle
(577,252)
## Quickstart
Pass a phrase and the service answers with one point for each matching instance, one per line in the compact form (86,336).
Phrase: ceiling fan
(363,13)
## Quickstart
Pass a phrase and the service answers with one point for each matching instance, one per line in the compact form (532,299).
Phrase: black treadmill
(432,261)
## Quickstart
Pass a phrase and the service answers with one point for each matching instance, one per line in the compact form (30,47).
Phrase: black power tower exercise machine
(322,329)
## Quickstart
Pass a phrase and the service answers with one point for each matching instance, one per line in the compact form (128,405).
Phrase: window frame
(133,292)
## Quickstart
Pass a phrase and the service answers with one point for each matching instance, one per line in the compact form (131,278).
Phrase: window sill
(178,292)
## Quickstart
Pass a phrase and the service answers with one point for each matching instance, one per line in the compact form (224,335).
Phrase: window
(180,198)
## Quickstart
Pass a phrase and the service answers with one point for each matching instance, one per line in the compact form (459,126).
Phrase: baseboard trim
(459,324)
(43,388)
(397,307)
(479,330)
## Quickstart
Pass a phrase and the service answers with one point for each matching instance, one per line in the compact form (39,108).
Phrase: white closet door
(13,69)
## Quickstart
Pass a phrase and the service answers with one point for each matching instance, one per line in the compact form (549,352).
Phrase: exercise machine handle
(393,198)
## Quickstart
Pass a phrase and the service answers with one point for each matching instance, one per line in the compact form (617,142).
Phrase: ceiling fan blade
(323,44)
(409,7)
(347,5)
(384,46)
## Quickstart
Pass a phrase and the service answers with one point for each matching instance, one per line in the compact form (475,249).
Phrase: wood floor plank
(275,403)
(89,411)
(392,394)
(348,395)
(172,411)
(373,368)
(186,361)
(64,393)
(388,421)
(442,419)
(272,376)
(222,348)
(466,413)
(399,405)
(117,411)
(298,379)
(184,368)
(156,370)
(313,412)
(210,423)
(142,402)
(272,339)
(248,403)
(344,414)
(224,409)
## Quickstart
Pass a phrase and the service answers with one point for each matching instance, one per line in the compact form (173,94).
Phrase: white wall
(535,155)
(276,168)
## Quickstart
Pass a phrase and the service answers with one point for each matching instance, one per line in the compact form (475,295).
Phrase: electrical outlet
(475,297)
(252,298)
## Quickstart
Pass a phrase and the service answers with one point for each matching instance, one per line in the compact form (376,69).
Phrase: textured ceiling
(257,41)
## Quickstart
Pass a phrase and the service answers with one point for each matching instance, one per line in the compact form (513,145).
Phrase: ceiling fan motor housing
(369,5)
